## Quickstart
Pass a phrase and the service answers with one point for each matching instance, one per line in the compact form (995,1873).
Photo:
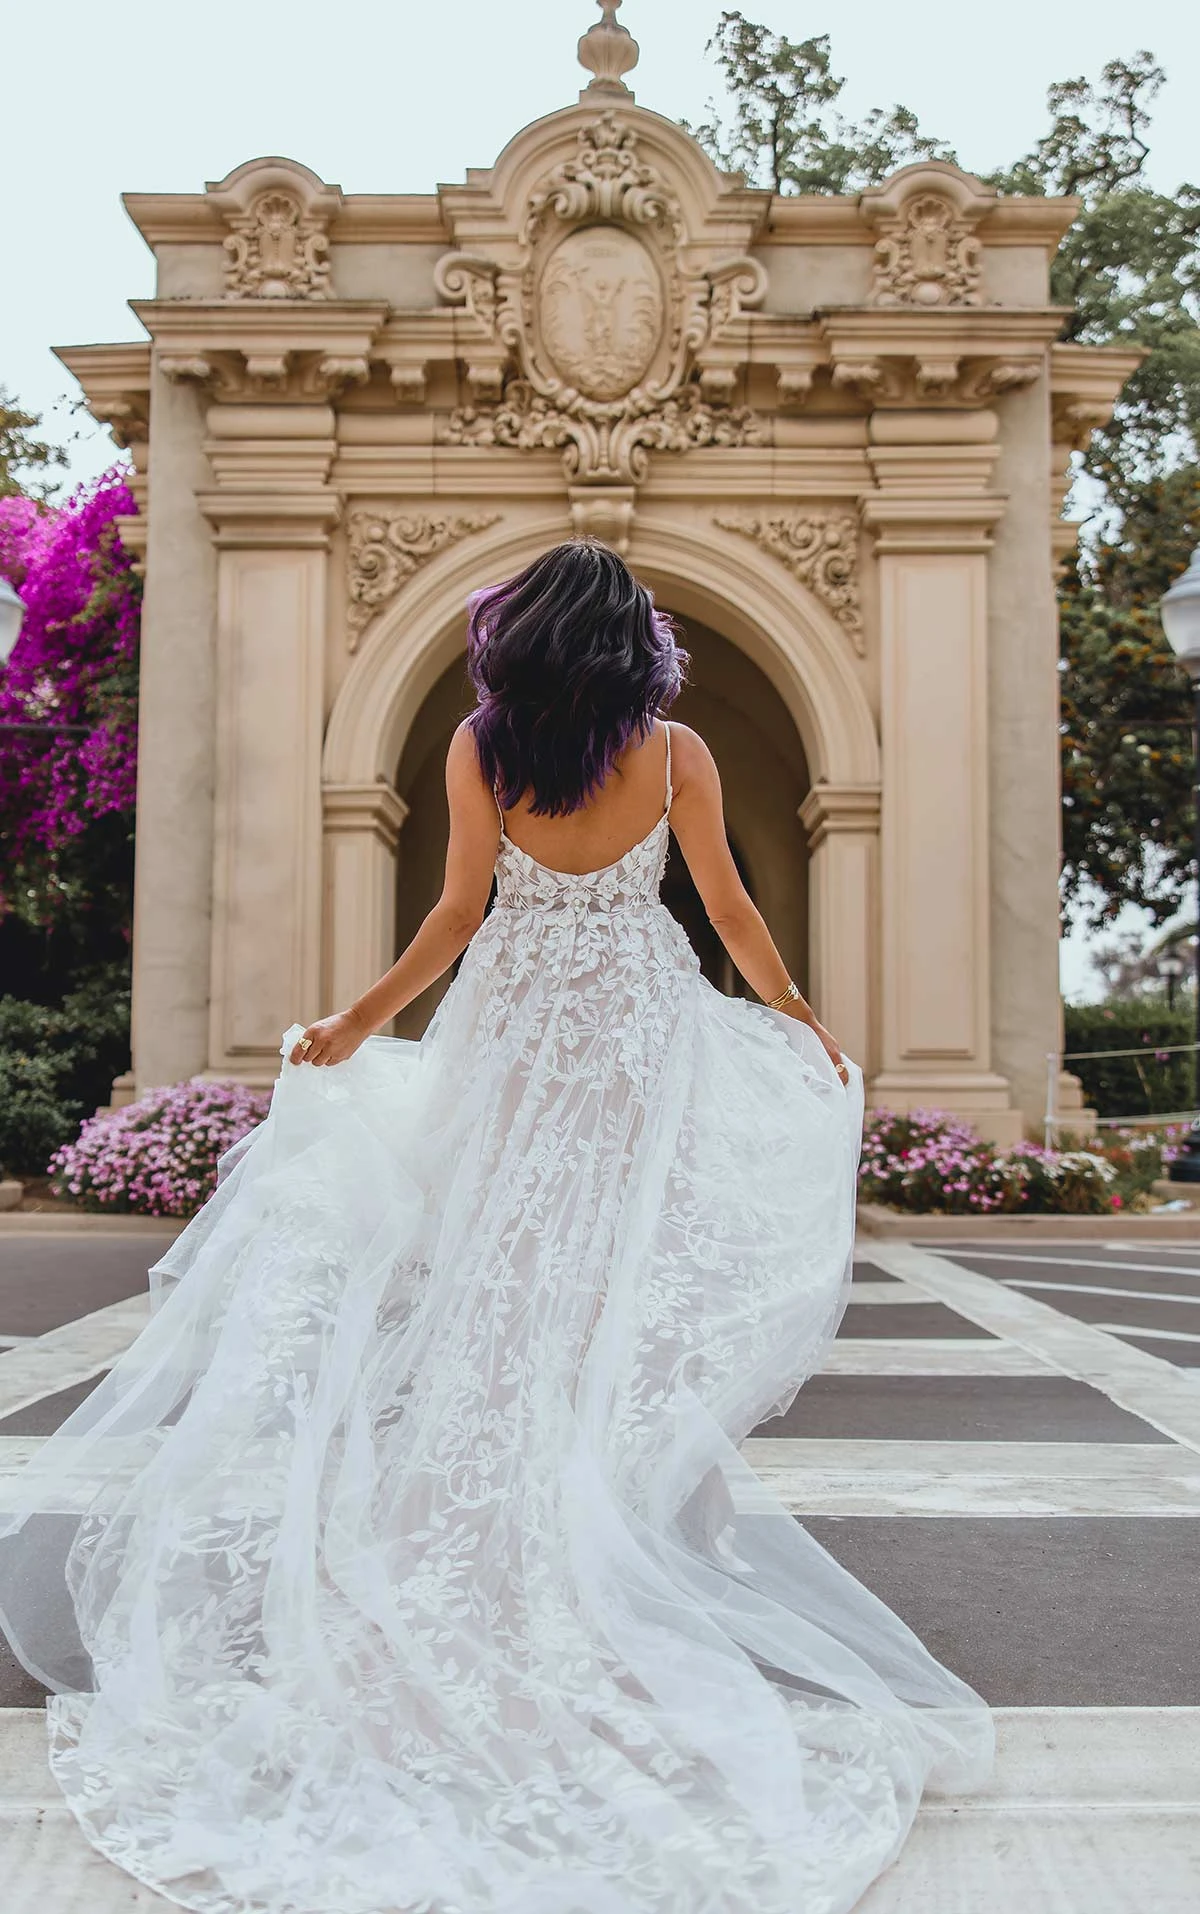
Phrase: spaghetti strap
(670,792)
(499,812)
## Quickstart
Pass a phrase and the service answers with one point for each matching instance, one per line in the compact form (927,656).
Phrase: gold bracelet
(789,996)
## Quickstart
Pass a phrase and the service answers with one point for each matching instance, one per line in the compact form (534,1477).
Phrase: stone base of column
(124,1091)
(1076,1118)
(981,1099)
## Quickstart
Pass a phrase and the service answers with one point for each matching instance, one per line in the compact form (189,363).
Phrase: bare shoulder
(464,773)
(462,757)
(691,760)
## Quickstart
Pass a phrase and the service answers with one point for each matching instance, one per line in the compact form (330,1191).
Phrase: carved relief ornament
(278,216)
(385,548)
(600,324)
(929,257)
(818,548)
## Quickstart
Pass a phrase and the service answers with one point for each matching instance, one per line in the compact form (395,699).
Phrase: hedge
(1144,1085)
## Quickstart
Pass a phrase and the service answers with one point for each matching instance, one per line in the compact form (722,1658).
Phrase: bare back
(623,812)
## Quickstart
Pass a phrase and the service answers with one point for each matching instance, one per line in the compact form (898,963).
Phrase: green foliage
(785,131)
(57,1065)
(26,464)
(1127,710)
(1144,1085)
(1128,269)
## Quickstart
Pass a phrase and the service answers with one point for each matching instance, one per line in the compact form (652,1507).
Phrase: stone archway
(709,578)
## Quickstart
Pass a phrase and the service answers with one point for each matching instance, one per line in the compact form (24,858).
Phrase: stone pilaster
(932,516)
(842,822)
(362,828)
(271,513)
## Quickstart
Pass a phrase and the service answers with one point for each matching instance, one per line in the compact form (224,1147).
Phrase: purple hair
(569,660)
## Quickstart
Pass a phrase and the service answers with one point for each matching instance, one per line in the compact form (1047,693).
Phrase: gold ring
(306,1043)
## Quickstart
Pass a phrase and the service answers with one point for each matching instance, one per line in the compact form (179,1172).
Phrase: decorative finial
(608,51)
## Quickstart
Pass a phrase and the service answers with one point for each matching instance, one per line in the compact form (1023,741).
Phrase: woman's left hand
(331,1040)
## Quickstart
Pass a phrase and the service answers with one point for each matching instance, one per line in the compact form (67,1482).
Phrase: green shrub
(1133,1086)
(57,1063)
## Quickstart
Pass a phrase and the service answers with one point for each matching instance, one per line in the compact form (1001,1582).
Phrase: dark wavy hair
(570,660)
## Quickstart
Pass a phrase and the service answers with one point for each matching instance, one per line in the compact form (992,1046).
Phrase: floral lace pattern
(407,1563)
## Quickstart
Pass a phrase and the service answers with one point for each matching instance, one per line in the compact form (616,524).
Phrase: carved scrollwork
(601,321)
(928,256)
(277,250)
(385,548)
(818,548)
(612,450)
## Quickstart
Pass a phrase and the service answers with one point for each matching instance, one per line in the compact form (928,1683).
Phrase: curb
(898,1225)
(84,1223)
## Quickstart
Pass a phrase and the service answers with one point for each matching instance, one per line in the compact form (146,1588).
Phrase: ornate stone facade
(827,432)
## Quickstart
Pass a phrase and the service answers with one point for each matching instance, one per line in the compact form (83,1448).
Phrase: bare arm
(698,821)
(445,932)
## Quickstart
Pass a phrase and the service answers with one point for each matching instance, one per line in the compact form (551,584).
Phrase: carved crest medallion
(601,311)
(604,319)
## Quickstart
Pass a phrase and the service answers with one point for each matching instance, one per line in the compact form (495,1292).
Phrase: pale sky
(156,96)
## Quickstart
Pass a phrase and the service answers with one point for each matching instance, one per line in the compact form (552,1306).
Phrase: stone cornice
(189,219)
(1085,382)
(116,385)
(827,219)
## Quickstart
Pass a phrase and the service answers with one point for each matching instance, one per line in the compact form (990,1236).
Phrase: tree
(786,132)
(67,797)
(1128,271)
(26,463)
(1127,710)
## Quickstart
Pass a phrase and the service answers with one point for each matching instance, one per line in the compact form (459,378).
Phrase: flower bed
(158,1156)
(930,1163)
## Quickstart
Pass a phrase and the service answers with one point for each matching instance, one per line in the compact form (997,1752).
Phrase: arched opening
(764,775)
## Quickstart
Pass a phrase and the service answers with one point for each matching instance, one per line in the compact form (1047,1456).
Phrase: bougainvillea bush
(66,797)
(158,1156)
(928,1162)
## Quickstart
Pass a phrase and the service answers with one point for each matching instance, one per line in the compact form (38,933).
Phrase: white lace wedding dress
(407,1563)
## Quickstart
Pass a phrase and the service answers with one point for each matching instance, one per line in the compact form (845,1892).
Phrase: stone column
(932,517)
(362,828)
(272,514)
(177,689)
(842,821)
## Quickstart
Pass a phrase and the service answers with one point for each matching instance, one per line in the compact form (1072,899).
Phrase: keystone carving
(927,256)
(386,548)
(819,549)
(601,322)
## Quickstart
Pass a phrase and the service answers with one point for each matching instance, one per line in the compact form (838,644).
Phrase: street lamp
(1171,969)
(12,612)
(1179,609)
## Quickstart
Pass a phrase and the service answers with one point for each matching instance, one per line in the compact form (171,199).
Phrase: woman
(407,1563)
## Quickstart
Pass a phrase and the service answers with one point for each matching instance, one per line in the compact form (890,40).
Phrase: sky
(395,98)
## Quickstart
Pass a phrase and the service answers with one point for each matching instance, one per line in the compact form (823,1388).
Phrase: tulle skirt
(407,1563)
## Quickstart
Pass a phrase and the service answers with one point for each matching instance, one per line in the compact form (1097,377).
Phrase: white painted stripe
(1158,1335)
(1074,1262)
(1148,1386)
(884,1478)
(1097,1289)
(63,1357)
(1088,1808)
(929,1356)
(863,1292)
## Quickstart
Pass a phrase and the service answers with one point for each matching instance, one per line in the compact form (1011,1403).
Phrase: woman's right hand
(332,1039)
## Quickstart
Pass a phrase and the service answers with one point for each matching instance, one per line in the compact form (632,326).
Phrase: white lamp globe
(12,611)
(1179,610)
